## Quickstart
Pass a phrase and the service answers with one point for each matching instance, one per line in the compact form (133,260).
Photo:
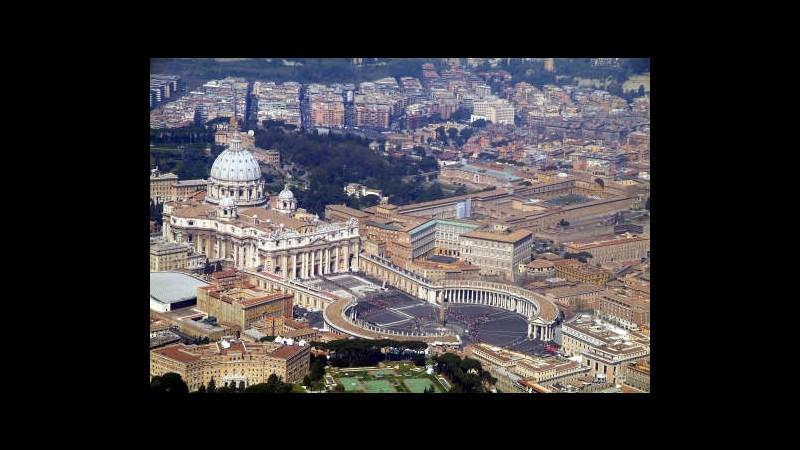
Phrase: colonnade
(489,298)
(312,262)
(294,264)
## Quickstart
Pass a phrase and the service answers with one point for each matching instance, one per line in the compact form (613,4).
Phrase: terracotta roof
(275,217)
(295,324)
(177,353)
(347,210)
(258,300)
(287,351)
(224,274)
(540,264)
(236,346)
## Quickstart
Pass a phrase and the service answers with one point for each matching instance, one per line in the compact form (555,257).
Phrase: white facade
(305,251)
(156,305)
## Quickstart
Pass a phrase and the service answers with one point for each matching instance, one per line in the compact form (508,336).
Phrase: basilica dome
(236,165)
(286,194)
(236,175)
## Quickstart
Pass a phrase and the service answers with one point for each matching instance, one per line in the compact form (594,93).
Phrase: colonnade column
(336,260)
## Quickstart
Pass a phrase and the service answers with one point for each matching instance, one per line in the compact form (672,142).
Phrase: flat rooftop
(442,259)
(500,237)
(169,247)
(173,287)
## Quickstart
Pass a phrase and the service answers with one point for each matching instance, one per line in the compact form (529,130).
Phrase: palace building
(237,222)
(231,362)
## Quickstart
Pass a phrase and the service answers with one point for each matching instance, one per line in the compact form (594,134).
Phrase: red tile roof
(287,351)
(177,353)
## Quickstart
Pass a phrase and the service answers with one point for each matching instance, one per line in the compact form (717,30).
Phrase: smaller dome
(226,202)
(286,194)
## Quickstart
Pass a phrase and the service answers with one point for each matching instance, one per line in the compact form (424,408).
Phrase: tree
(201,389)
(225,390)
(307,381)
(169,383)
(614,88)
(156,212)
(273,383)
(580,256)
(218,268)
(241,386)
(212,386)
(460,114)
(260,388)
(641,90)
(464,136)
(157,385)
(563,223)
(462,190)
(207,269)
(338,388)
(452,133)
(440,135)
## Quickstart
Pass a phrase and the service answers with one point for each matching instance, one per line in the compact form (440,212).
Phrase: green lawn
(350,384)
(379,386)
(404,378)
(418,385)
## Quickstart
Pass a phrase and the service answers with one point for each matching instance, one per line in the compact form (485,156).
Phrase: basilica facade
(235,221)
